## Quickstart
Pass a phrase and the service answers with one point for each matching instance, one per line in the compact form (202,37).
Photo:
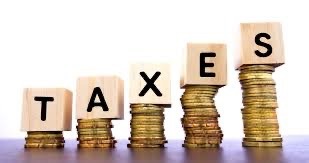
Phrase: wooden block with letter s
(204,64)
(150,84)
(261,43)
(100,97)
(47,109)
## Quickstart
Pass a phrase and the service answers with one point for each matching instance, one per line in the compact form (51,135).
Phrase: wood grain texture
(112,88)
(163,83)
(58,112)
(191,67)
(248,32)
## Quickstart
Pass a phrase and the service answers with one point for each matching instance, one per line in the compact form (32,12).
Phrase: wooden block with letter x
(261,43)
(47,109)
(99,97)
(205,64)
(150,84)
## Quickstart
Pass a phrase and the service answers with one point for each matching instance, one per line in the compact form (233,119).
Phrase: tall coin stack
(95,133)
(200,120)
(261,127)
(44,139)
(147,126)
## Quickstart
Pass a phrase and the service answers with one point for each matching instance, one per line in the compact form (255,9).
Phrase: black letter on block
(44,101)
(92,103)
(267,46)
(203,64)
(150,84)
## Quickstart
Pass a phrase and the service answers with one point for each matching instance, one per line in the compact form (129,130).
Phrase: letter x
(150,84)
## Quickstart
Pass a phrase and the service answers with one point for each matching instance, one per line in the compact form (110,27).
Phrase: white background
(51,43)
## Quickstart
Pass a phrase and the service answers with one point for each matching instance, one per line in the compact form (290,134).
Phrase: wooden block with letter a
(205,64)
(100,97)
(47,109)
(261,43)
(150,84)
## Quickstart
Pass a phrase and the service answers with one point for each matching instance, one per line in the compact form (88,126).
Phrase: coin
(187,145)
(262,139)
(261,144)
(145,145)
(95,145)
(43,145)
(147,126)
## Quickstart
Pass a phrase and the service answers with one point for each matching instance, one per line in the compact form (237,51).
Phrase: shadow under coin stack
(147,126)
(95,133)
(261,127)
(200,120)
(44,139)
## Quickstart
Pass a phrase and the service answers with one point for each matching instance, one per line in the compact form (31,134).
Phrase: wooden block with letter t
(47,109)
(261,43)
(150,84)
(204,64)
(100,97)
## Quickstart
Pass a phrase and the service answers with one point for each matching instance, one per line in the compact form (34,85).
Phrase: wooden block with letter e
(205,64)
(150,84)
(100,97)
(47,109)
(261,43)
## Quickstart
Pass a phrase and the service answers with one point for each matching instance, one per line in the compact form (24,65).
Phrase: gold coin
(143,141)
(146,138)
(96,141)
(258,82)
(203,131)
(148,126)
(93,126)
(98,138)
(202,125)
(161,128)
(193,141)
(262,132)
(45,141)
(147,117)
(95,145)
(262,135)
(261,129)
(145,146)
(262,139)
(255,76)
(143,105)
(261,144)
(187,145)
(257,67)
(46,136)
(42,145)
(147,135)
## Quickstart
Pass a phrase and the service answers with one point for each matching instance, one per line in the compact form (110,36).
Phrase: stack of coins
(147,126)
(44,139)
(95,133)
(200,120)
(261,127)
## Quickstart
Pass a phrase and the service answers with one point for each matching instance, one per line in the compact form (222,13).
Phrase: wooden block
(205,64)
(261,43)
(47,109)
(100,97)
(150,84)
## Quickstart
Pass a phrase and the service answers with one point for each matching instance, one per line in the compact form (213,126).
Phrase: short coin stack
(261,127)
(147,126)
(44,139)
(95,133)
(200,120)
